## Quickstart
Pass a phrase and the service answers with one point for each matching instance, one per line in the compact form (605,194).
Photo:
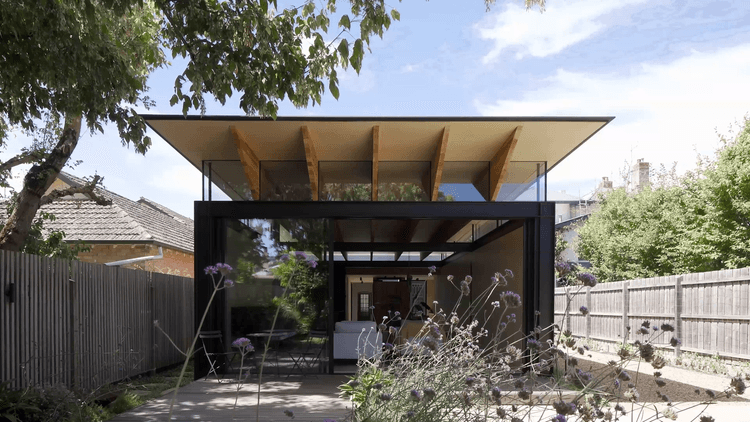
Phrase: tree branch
(87,189)
(23,158)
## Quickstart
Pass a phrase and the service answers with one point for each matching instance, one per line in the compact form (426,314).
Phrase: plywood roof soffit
(309,138)
(375,160)
(432,185)
(500,162)
(250,162)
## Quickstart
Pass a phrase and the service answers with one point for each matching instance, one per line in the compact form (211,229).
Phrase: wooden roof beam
(499,163)
(310,139)
(375,160)
(250,162)
(432,185)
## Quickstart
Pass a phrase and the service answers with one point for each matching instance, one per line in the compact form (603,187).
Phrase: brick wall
(175,262)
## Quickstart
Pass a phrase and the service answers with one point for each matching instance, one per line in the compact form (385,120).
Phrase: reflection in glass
(226,180)
(345,180)
(284,181)
(279,264)
(403,181)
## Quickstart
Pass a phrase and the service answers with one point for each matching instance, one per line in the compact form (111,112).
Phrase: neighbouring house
(133,234)
(376,202)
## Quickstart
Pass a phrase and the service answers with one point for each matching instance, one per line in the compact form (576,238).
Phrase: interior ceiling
(350,139)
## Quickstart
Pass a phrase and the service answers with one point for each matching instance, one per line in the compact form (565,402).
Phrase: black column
(209,241)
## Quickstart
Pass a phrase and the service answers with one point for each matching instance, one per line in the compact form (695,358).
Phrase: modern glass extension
(324,218)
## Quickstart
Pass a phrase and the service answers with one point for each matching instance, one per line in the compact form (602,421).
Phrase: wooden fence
(85,325)
(710,311)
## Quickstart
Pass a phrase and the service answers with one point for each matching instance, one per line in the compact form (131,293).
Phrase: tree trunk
(35,184)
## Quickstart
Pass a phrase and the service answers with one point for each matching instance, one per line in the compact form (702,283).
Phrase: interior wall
(354,287)
(482,264)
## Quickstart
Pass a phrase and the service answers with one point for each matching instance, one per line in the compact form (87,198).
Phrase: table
(268,337)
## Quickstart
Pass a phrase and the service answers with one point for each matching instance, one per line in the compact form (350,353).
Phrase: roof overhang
(547,139)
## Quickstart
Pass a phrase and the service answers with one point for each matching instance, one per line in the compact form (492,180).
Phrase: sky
(672,72)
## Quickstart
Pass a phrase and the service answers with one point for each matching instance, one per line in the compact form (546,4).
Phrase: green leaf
(395,15)
(344,22)
(333,88)
(343,48)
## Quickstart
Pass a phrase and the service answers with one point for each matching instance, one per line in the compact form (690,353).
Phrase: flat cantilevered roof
(498,140)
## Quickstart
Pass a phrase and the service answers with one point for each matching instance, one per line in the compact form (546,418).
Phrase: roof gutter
(134,260)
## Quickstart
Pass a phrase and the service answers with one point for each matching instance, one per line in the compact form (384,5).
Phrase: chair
(216,359)
(305,358)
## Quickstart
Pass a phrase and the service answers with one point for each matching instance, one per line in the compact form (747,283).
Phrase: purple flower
(224,269)
(587,279)
(244,345)
(312,263)
(584,310)
(211,269)
(432,269)
(229,283)
(562,268)
(559,418)
(300,254)
(396,314)
(675,342)
(284,258)
(415,395)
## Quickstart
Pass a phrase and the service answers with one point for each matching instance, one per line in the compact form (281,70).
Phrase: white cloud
(664,112)
(409,68)
(563,24)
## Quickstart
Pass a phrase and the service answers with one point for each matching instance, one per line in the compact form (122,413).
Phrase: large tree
(68,63)
(697,222)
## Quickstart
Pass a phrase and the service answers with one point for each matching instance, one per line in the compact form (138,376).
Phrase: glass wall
(465,181)
(284,181)
(224,180)
(345,180)
(525,181)
(279,264)
(403,180)
(352,181)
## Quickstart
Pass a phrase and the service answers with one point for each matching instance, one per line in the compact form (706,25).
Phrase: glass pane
(284,181)
(345,180)
(228,181)
(465,181)
(278,265)
(403,181)
(524,181)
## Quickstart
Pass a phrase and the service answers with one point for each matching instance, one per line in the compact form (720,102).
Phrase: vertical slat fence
(710,311)
(85,325)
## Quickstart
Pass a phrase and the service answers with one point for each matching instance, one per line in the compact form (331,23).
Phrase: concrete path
(206,400)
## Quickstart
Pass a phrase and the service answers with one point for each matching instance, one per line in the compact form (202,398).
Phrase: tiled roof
(123,221)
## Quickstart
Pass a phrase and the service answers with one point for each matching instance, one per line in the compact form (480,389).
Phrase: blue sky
(673,72)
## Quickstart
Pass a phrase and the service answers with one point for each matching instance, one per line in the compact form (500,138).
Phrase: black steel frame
(536,219)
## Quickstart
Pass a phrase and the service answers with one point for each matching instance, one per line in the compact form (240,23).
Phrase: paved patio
(311,399)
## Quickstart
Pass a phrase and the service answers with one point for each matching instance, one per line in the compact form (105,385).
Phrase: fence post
(567,307)
(678,313)
(588,315)
(625,309)
(152,334)
(74,318)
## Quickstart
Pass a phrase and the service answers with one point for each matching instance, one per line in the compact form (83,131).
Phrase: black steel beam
(390,264)
(376,210)
(401,247)
(490,237)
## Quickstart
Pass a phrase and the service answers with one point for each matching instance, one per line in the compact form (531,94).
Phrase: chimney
(639,176)
(604,185)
